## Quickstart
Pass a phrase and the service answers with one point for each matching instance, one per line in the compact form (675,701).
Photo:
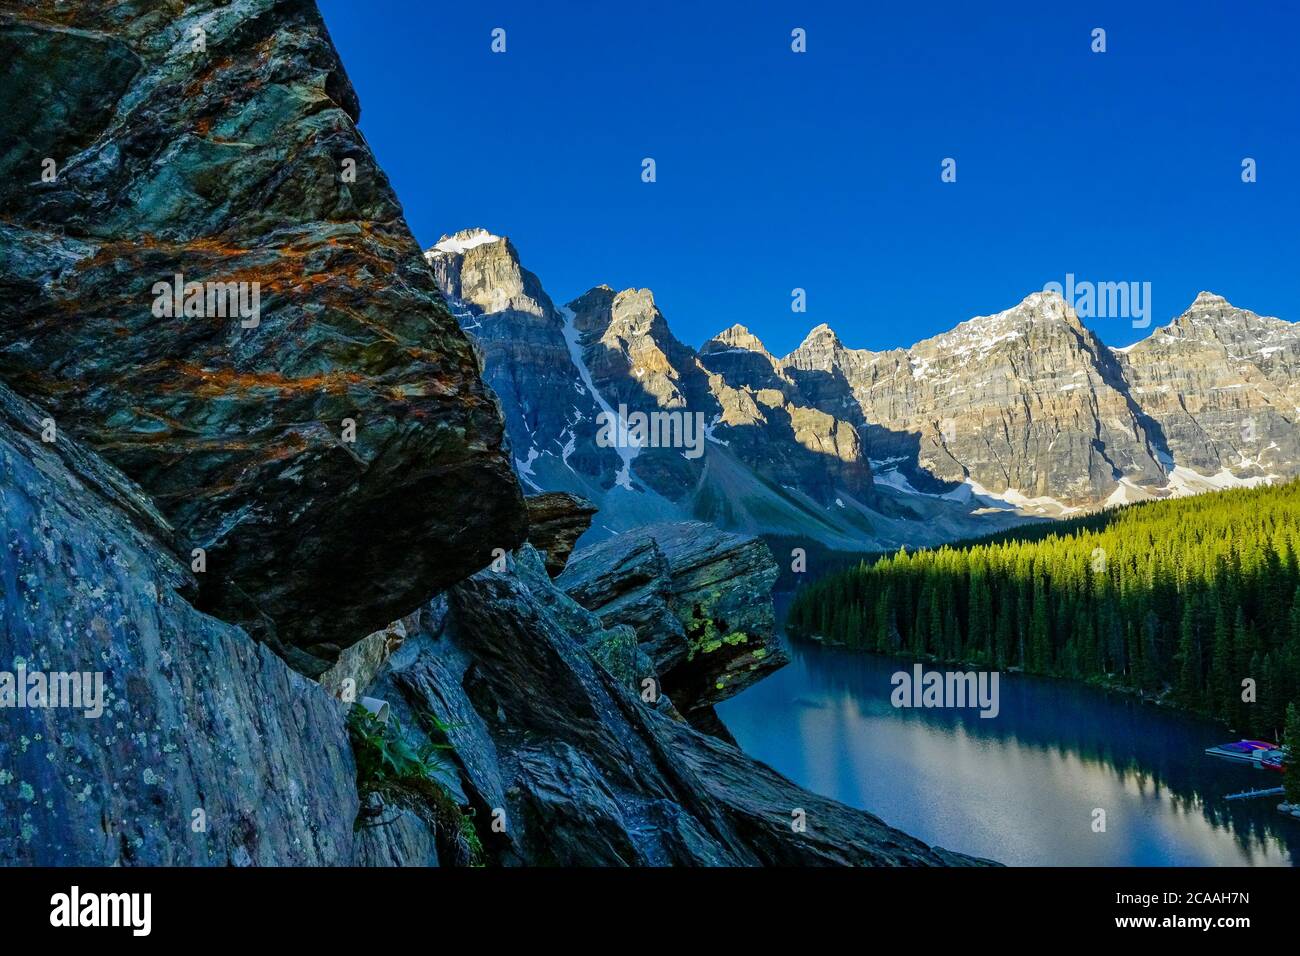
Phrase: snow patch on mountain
(1184,481)
(893,478)
(1127,493)
(572,337)
(462,242)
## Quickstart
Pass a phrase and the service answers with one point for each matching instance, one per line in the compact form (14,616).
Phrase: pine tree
(1221,683)
(1040,639)
(1189,662)
(1291,739)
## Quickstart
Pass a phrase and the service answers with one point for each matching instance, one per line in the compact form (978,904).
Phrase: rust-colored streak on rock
(225,165)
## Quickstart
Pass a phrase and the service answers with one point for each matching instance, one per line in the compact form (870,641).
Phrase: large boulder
(556,520)
(302,443)
(626,580)
(700,600)
(208,749)
(564,763)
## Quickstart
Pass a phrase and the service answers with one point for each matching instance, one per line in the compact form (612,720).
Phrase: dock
(1247,794)
(1246,751)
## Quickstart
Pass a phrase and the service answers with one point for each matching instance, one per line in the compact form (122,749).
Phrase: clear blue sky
(822,170)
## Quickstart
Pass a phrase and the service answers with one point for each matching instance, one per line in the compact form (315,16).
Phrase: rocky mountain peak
(461,242)
(1037,308)
(634,305)
(1207,307)
(822,335)
(736,337)
(821,349)
(1211,317)
(629,349)
(600,308)
(483,269)
(1037,315)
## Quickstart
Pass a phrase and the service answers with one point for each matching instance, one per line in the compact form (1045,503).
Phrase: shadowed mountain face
(311,382)
(526,357)
(1009,417)
(559,370)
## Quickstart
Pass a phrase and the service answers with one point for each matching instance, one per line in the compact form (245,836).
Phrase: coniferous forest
(1188,599)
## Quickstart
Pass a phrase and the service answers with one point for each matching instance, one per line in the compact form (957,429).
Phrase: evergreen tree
(1291,738)
(1189,662)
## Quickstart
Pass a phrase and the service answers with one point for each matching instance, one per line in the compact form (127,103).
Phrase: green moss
(707,631)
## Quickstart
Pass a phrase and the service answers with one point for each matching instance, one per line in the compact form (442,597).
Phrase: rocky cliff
(201,747)
(574,767)
(1028,409)
(1223,386)
(209,280)
(1027,401)
(699,600)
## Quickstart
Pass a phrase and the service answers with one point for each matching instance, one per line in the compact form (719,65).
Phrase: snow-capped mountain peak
(465,240)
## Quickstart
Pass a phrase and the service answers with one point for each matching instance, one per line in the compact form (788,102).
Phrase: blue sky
(821,170)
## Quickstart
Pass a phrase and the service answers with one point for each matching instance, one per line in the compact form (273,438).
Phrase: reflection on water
(1019,788)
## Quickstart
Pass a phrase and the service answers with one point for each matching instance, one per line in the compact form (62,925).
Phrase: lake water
(1019,788)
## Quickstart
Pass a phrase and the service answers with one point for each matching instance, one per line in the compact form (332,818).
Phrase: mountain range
(1016,416)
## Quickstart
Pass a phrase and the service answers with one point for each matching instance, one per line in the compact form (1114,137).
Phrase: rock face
(699,599)
(1010,417)
(578,768)
(560,371)
(1028,408)
(536,697)
(1223,385)
(195,715)
(555,523)
(219,144)
(550,412)
(1027,401)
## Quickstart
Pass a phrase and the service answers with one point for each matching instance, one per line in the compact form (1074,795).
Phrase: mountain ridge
(1006,417)
(448,241)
